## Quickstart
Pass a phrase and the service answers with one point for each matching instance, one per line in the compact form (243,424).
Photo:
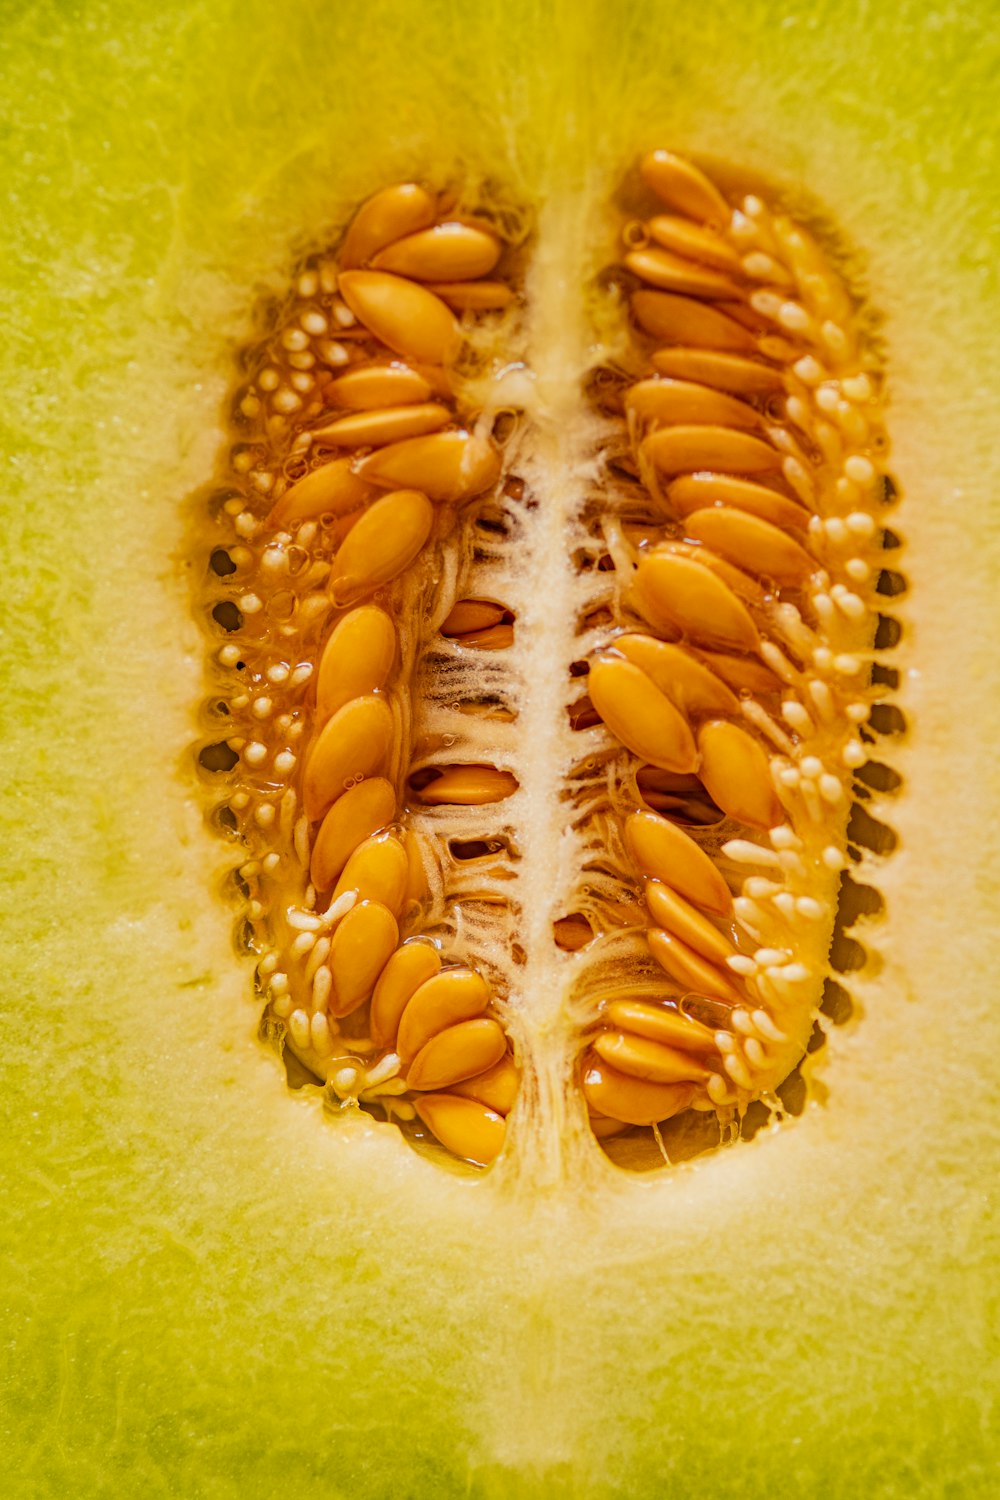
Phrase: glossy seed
(744,674)
(678,450)
(387,539)
(457,1053)
(408,968)
(358,813)
(377,870)
(642,1018)
(716,367)
(333,489)
(681,186)
(682,320)
(468,786)
(359,950)
(399,210)
(641,1058)
(442,1000)
(369,387)
(470,615)
(496,638)
(354,742)
(603,1128)
(497,1087)
(391,424)
(572,933)
(445,252)
(697,491)
(450,466)
(669,854)
(736,772)
(405,316)
(416,883)
(634,1100)
(677,916)
(463,1126)
(356,660)
(675,273)
(473,296)
(693,241)
(685,401)
(692,972)
(693,688)
(672,591)
(640,715)
(755,544)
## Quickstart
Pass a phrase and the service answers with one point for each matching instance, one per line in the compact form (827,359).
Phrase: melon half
(216,1288)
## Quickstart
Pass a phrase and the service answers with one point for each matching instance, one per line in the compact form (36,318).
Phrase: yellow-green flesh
(213,1291)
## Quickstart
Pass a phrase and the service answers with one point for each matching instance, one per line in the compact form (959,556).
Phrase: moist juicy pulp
(213,1289)
(705,554)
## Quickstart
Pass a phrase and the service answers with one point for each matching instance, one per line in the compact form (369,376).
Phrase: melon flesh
(215,1291)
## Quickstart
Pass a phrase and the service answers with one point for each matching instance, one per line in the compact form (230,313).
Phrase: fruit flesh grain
(212,1294)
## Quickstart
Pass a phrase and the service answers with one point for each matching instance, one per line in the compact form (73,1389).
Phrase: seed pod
(401,209)
(669,854)
(390,424)
(641,1018)
(463,1126)
(356,660)
(368,387)
(634,1100)
(693,241)
(387,539)
(377,870)
(407,317)
(641,1058)
(675,273)
(672,591)
(445,252)
(457,1053)
(359,950)
(449,466)
(682,320)
(440,1001)
(693,688)
(332,489)
(691,971)
(683,401)
(737,774)
(497,1087)
(468,786)
(681,186)
(715,367)
(358,813)
(697,491)
(640,715)
(671,912)
(405,972)
(353,743)
(679,450)
(754,543)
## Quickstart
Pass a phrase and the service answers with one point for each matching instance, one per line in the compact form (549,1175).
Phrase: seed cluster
(725,661)
(740,667)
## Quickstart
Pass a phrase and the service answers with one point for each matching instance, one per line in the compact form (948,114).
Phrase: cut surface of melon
(213,1289)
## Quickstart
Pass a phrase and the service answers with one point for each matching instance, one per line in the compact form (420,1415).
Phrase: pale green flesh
(216,1293)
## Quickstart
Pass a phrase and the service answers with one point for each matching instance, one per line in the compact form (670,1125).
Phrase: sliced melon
(218,1289)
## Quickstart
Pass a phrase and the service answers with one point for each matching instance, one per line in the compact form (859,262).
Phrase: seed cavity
(612,862)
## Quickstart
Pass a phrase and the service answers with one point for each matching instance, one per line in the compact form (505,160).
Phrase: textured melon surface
(213,1291)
